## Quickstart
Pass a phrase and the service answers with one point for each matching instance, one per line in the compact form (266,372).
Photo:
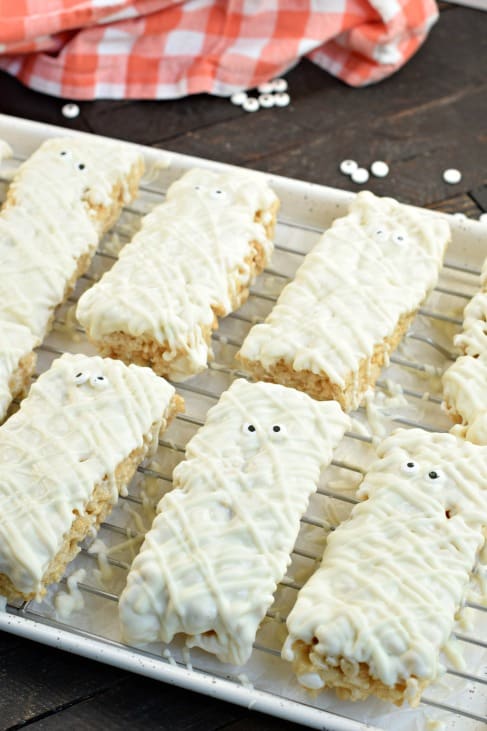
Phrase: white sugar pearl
(280,85)
(266,100)
(483,217)
(347,167)
(266,88)
(238,98)
(360,175)
(452,176)
(282,100)
(379,168)
(70,110)
(251,104)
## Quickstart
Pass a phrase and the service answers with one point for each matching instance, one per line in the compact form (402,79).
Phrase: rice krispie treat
(465,381)
(58,205)
(222,539)
(65,456)
(351,301)
(192,261)
(375,616)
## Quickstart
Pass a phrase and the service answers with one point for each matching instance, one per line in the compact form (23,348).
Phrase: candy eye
(81,166)
(380,234)
(197,187)
(278,431)
(63,153)
(399,238)
(98,381)
(435,475)
(80,378)
(409,467)
(218,194)
(248,429)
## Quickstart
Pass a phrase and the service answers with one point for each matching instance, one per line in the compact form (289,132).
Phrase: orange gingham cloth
(160,49)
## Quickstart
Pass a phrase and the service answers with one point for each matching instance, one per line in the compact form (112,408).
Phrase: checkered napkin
(160,49)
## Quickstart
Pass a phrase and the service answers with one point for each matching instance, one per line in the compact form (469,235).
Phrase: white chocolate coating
(5,151)
(16,342)
(188,262)
(222,538)
(51,221)
(464,382)
(394,575)
(69,435)
(372,266)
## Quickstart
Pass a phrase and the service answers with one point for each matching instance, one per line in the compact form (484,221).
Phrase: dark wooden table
(430,116)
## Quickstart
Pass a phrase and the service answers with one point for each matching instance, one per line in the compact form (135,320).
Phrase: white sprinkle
(266,100)
(282,100)
(347,167)
(251,104)
(266,88)
(379,168)
(238,98)
(279,85)
(483,217)
(452,176)
(70,110)
(360,175)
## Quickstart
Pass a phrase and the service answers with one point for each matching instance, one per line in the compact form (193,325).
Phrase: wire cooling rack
(408,394)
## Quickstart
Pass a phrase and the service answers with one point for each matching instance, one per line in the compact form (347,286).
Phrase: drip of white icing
(64,440)
(189,261)
(72,600)
(372,266)
(222,538)
(395,574)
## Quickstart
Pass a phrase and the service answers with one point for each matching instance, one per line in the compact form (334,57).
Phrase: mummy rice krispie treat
(465,381)
(351,301)
(375,616)
(58,205)
(65,456)
(222,539)
(192,261)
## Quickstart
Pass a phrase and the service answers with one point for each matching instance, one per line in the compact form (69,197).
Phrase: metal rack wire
(430,354)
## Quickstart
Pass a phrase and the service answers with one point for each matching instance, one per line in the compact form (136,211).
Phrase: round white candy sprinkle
(379,168)
(266,100)
(238,98)
(282,100)
(483,217)
(251,104)
(452,176)
(360,175)
(347,167)
(279,85)
(70,110)
(266,88)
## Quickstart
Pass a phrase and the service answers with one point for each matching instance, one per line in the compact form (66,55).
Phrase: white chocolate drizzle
(464,382)
(395,574)
(222,538)
(371,267)
(67,438)
(53,218)
(189,261)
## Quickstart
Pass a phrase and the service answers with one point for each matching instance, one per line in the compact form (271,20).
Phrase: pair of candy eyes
(217,193)
(81,165)
(95,381)
(412,468)
(398,237)
(275,430)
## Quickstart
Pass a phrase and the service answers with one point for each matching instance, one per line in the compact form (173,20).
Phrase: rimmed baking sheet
(408,394)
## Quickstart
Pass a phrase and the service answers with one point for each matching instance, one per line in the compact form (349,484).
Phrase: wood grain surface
(429,116)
